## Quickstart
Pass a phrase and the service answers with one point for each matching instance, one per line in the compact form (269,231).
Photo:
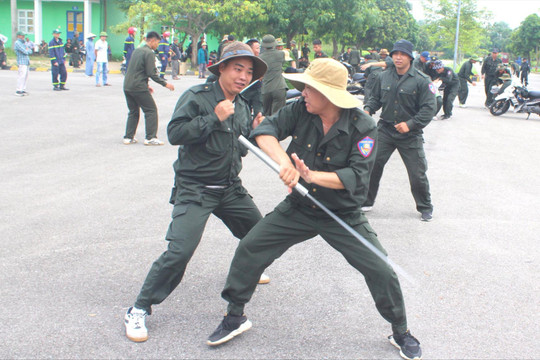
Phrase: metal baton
(305,192)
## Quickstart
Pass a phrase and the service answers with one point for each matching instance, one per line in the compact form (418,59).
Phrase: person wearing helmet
(163,51)
(129,45)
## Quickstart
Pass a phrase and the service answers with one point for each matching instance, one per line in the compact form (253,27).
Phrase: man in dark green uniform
(464,74)
(333,148)
(274,88)
(421,61)
(354,59)
(489,73)
(139,94)
(451,85)
(407,97)
(207,121)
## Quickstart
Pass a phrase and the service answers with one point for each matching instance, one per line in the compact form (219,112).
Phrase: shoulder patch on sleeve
(432,88)
(365,146)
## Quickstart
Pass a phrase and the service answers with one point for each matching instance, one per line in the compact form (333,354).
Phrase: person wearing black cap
(464,74)
(206,123)
(407,98)
(451,87)
(489,73)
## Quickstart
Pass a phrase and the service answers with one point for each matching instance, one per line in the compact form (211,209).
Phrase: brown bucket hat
(384,52)
(239,49)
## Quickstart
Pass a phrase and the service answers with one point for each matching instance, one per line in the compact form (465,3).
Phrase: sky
(513,12)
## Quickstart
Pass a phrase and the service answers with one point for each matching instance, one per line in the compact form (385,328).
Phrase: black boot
(56,88)
(63,87)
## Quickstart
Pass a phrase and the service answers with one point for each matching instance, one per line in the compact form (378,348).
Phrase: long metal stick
(305,192)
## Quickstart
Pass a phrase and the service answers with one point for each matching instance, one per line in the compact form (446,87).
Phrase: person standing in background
(129,45)
(202,60)
(102,59)
(22,50)
(58,65)
(90,55)
(163,51)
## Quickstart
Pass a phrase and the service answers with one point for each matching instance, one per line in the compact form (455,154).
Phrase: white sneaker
(367,208)
(128,141)
(264,279)
(135,325)
(153,142)
(462,105)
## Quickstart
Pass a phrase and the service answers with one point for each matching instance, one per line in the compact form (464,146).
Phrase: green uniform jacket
(448,77)
(354,57)
(211,153)
(466,71)
(410,99)
(142,66)
(417,63)
(489,67)
(273,78)
(348,149)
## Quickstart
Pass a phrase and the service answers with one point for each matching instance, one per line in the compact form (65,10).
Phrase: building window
(26,21)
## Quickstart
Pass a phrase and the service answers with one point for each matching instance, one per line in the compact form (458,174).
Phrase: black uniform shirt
(489,67)
(348,149)
(409,99)
(142,66)
(211,153)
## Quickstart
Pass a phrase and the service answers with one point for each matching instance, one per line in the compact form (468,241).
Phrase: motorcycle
(356,81)
(521,99)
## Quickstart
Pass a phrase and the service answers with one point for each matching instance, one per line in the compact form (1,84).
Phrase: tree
(343,21)
(394,22)
(527,37)
(498,36)
(442,18)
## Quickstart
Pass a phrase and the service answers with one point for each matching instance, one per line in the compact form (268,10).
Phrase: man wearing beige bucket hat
(206,123)
(332,153)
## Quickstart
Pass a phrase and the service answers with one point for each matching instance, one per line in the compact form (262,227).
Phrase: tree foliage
(343,21)
(442,19)
(526,37)
(394,21)
(498,36)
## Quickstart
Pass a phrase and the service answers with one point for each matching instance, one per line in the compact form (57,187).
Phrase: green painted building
(38,18)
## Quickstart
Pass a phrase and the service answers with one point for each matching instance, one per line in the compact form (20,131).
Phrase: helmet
(132,30)
(166,34)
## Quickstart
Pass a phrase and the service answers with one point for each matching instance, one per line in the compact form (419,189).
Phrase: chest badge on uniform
(365,146)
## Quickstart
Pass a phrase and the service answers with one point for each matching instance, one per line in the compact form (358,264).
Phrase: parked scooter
(356,81)
(521,99)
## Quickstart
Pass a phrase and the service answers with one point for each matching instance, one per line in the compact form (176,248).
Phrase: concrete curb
(71,70)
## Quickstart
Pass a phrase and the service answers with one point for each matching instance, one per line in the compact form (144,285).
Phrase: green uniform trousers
(137,100)
(288,225)
(489,82)
(449,95)
(232,205)
(463,92)
(411,150)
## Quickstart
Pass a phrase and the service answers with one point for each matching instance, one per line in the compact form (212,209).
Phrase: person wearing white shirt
(102,59)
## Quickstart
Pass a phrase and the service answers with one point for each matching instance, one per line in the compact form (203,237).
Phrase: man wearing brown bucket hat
(206,123)
(407,98)
(332,153)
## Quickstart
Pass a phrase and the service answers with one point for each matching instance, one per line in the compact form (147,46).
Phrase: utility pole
(457,35)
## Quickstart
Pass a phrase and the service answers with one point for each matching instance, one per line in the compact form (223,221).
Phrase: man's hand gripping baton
(305,192)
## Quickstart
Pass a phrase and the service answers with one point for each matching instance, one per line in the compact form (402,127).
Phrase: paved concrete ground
(82,217)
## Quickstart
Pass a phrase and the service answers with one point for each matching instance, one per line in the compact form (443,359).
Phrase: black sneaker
(56,88)
(409,347)
(426,216)
(230,327)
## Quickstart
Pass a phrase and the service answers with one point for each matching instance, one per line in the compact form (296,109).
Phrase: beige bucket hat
(329,77)
(239,49)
